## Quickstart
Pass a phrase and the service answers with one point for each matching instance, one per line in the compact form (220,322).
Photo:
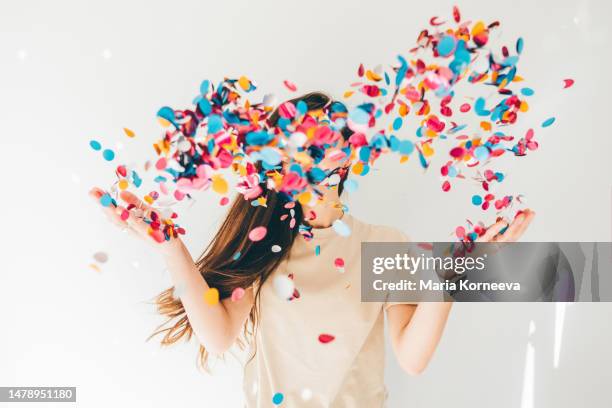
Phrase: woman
(318,345)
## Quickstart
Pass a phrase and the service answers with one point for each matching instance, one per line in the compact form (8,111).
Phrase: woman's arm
(217,326)
(415,330)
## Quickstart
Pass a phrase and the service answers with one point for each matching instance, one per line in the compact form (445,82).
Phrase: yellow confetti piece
(358,168)
(123,184)
(524,106)
(211,296)
(219,185)
(244,83)
(404,159)
(431,133)
(486,126)
(163,122)
(427,150)
(305,197)
(94,267)
(129,132)
(373,76)
(348,94)
(478,28)
(148,199)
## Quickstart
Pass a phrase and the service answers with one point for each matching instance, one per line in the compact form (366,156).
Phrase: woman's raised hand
(503,231)
(129,217)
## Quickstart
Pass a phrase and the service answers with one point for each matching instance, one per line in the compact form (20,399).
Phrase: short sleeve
(397,236)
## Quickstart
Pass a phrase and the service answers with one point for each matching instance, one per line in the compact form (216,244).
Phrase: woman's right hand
(132,220)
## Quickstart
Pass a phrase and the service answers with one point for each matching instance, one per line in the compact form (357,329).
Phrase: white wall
(72,71)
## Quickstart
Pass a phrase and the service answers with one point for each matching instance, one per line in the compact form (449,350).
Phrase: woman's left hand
(502,231)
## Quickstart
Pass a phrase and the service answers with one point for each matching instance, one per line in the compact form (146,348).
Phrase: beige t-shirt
(289,357)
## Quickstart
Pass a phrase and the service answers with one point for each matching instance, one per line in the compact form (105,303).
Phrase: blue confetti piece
(397,123)
(205,106)
(527,91)
(359,116)
(108,155)
(95,145)
(476,199)
(106,200)
(258,138)
(204,86)
(277,399)
(406,147)
(270,156)
(215,124)
(520,44)
(481,153)
(548,122)
(446,46)
(318,250)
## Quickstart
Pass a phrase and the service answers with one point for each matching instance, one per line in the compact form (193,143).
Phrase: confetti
(326,338)
(101,257)
(339,264)
(95,145)
(276,249)
(283,286)
(306,394)
(237,294)
(108,155)
(129,132)
(277,398)
(430,103)
(211,296)
(290,86)
(258,233)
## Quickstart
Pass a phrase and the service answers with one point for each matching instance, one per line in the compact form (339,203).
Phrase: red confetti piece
(290,85)
(567,83)
(326,338)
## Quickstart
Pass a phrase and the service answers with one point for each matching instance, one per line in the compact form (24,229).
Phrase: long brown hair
(231,260)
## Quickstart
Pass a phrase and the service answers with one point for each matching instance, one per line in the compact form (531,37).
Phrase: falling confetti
(455,128)
(567,83)
(129,132)
(283,286)
(258,233)
(290,86)
(237,294)
(101,257)
(326,338)
(277,398)
(211,296)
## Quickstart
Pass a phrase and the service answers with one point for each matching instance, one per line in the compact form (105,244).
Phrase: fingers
(131,198)
(492,231)
(518,226)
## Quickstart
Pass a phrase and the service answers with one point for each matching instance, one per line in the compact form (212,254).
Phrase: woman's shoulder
(377,233)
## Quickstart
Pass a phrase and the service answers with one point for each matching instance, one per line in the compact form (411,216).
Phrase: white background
(75,71)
